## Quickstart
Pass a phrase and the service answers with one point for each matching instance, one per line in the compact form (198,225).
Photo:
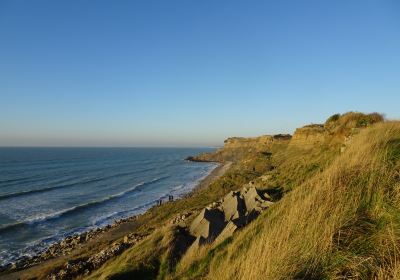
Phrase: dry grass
(339,217)
(192,256)
(342,123)
(151,258)
(342,223)
(139,262)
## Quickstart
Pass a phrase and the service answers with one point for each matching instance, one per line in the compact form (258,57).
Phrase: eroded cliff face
(337,132)
(309,135)
(257,143)
(239,148)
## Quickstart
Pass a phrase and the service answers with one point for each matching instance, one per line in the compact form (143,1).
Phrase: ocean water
(49,193)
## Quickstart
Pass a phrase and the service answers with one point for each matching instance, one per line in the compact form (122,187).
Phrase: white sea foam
(122,200)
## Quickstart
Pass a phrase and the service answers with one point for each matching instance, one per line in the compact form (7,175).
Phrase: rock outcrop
(309,135)
(221,219)
(208,224)
(234,208)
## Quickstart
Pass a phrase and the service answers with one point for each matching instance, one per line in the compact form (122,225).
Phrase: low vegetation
(335,189)
(336,213)
(341,223)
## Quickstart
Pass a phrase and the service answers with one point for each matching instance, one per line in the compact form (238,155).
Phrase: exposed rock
(228,231)
(199,241)
(266,178)
(309,135)
(63,247)
(221,219)
(208,224)
(126,239)
(180,218)
(198,159)
(252,199)
(237,148)
(234,207)
(84,266)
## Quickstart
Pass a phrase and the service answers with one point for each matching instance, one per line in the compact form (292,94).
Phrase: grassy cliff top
(336,193)
(336,212)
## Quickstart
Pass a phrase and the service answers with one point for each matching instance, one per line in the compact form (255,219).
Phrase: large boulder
(228,231)
(234,207)
(221,219)
(208,224)
(254,200)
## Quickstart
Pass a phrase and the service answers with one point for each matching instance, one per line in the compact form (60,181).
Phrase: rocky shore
(197,159)
(65,246)
(83,266)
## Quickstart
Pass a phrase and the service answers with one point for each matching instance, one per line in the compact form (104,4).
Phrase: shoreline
(217,172)
(71,246)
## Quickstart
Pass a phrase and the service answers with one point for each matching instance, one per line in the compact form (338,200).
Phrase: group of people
(170,198)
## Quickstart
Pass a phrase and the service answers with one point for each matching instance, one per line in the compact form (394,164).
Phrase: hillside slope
(342,223)
(335,189)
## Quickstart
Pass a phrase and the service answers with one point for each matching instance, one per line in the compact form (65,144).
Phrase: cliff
(337,129)
(323,204)
(316,217)
(238,148)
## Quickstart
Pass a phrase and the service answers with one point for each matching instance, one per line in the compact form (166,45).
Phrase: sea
(47,194)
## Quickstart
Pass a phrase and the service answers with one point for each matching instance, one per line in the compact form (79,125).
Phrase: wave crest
(74,209)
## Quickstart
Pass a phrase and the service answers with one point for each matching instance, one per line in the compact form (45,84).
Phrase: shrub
(332,118)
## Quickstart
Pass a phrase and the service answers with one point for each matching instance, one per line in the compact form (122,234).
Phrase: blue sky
(190,73)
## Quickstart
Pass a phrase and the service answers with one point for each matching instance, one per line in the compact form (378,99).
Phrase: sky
(190,73)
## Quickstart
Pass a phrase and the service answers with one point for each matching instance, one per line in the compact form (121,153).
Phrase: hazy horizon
(190,74)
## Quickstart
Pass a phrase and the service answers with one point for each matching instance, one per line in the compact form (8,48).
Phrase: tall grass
(339,217)
(342,223)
